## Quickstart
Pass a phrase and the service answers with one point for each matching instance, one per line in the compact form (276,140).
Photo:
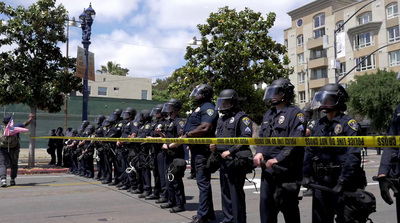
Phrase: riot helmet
(227,101)
(89,130)
(6,119)
(156,110)
(59,131)
(202,93)
(83,126)
(308,112)
(107,123)
(115,115)
(53,132)
(172,105)
(144,116)
(279,91)
(329,98)
(129,113)
(99,120)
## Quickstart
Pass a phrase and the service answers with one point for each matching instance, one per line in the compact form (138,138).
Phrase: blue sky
(149,37)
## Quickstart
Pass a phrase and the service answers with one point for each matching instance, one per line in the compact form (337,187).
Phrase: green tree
(375,96)
(34,71)
(160,89)
(114,69)
(236,52)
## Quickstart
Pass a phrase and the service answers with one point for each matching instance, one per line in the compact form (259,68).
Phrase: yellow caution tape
(340,141)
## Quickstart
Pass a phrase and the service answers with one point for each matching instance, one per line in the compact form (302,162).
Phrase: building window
(104,79)
(144,94)
(342,70)
(339,26)
(363,40)
(319,25)
(394,58)
(302,78)
(302,96)
(300,59)
(116,88)
(365,18)
(286,43)
(392,10)
(394,34)
(102,91)
(300,40)
(299,22)
(319,73)
(367,64)
(89,90)
(317,53)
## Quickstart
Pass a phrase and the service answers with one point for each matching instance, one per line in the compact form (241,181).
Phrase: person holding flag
(9,147)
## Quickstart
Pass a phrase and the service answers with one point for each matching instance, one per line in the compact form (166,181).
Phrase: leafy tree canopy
(237,53)
(375,96)
(160,89)
(35,72)
(114,69)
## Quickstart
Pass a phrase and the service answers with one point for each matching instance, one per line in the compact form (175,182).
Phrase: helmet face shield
(223,104)
(195,92)
(167,108)
(155,111)
(274,92)
(324,99)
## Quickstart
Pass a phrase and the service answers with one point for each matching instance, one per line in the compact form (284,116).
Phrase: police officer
(99,132)
(128,130)
(308,113)
(233,123)
(157,158)
(116,123)
(69,148)
(144,130)
(87,153)
(390,166)
(282,120)
(79,148)
(333,167)
(176,191)
(202,123)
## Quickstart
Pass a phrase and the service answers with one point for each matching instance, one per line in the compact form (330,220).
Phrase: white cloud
(149,37)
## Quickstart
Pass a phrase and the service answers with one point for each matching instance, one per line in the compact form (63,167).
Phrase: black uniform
(390,162)
(330,165)
(231,178)
(144,130)
(100,153)
(127,179)
(203,114)
(110,154)
(176,190)
(288,122)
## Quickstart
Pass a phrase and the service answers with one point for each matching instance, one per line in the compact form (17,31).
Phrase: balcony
(318,83)
(314,43)
(320,62)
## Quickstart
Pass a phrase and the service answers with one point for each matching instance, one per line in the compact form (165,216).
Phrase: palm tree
(114,69)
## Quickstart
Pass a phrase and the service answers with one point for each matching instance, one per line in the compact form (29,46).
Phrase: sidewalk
(42,158)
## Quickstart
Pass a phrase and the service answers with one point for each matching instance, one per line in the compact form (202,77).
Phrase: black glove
(339,187)
(384,185)
(306,182)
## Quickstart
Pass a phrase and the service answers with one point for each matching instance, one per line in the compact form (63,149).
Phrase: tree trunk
(31,160)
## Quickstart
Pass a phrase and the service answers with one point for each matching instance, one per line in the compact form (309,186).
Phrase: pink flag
(11,130)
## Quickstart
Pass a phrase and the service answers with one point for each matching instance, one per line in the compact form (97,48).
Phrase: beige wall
(121,86)
(334,14)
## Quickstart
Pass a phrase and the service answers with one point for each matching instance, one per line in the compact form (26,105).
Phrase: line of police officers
(329,171)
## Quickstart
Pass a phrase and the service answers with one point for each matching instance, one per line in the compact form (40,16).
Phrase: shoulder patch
(300,116)
(147,126)
(210,112)
(182,124)
(120,125)
(135,124)
(246,120)
(353,124)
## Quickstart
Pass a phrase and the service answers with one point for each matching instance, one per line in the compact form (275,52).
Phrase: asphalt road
(68,198)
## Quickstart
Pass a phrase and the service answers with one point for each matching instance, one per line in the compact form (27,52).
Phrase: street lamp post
(86,18)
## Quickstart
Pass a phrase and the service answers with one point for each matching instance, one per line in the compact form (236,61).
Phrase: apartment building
(366,33)
(123,87)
